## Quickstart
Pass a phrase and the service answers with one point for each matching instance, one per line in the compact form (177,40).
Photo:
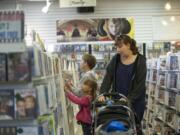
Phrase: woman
(126,72)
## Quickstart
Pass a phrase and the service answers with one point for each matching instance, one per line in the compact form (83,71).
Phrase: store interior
(42,43)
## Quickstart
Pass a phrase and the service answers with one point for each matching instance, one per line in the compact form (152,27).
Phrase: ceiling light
(19,6)
(45,9)
(164,22)
(173,42)
(172,19)
(168,6)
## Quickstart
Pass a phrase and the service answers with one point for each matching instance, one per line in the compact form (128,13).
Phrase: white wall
(143,12)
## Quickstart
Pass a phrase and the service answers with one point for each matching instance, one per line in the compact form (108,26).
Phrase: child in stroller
(114,116)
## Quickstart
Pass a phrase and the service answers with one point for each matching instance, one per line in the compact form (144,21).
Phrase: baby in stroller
(113,116)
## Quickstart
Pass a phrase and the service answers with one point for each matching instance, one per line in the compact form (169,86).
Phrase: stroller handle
(113,95)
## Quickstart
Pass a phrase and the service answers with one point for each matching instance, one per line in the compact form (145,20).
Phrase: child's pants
(86,129)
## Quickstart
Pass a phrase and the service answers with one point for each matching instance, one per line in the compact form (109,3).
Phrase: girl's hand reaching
(67,86)
(66,89)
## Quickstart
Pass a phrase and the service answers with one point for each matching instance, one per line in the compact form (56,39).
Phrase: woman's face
(122,48)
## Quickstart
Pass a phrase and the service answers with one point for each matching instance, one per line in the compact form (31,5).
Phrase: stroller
(113,110)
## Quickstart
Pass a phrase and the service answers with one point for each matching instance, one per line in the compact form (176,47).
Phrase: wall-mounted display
(93,29)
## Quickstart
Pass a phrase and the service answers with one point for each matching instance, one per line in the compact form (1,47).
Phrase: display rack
(70,72)
(31,92)
(163,91)
(102,50)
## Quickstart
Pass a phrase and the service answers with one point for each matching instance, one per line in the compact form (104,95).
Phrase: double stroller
(114,116)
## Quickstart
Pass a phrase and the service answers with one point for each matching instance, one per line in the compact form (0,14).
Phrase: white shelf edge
(85,43)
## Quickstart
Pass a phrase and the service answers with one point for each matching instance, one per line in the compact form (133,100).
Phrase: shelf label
(76,3)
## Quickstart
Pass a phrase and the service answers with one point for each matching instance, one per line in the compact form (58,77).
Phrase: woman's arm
(139,88)
(108,78)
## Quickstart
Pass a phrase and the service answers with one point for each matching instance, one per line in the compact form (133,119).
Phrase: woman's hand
(101,99)
(123,100)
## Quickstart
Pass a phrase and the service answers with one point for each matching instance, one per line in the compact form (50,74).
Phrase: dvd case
(41,100)
(172,99)
(173,61)
(174,65)
(18,67)
(172,80)
(161,63)
(6,104)
(25,104)
(3,70)
(161,80)
(35,62)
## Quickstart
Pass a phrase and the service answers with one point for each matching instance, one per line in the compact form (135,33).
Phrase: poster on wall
(93,29)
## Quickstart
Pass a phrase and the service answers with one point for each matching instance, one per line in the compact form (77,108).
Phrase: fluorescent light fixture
(173,42)
(45,9)
(164,22)
(172,19)
(168,6)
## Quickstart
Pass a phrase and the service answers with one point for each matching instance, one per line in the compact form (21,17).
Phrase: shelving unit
(163,90)
(70,72)
(102,50)
(42,80)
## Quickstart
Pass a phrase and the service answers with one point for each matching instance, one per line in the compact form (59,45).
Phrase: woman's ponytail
(133,46)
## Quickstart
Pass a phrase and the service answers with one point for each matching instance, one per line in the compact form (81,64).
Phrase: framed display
(93,29)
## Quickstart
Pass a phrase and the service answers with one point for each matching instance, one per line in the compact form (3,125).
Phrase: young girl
(84,115)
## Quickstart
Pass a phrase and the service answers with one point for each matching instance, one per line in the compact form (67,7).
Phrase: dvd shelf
(70,73)
(163,92)
(71,55)
(31,94)
(102,50)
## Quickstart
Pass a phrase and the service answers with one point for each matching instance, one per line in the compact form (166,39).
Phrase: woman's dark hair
(126,40)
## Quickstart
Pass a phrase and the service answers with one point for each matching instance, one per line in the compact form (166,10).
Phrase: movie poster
(93,29)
